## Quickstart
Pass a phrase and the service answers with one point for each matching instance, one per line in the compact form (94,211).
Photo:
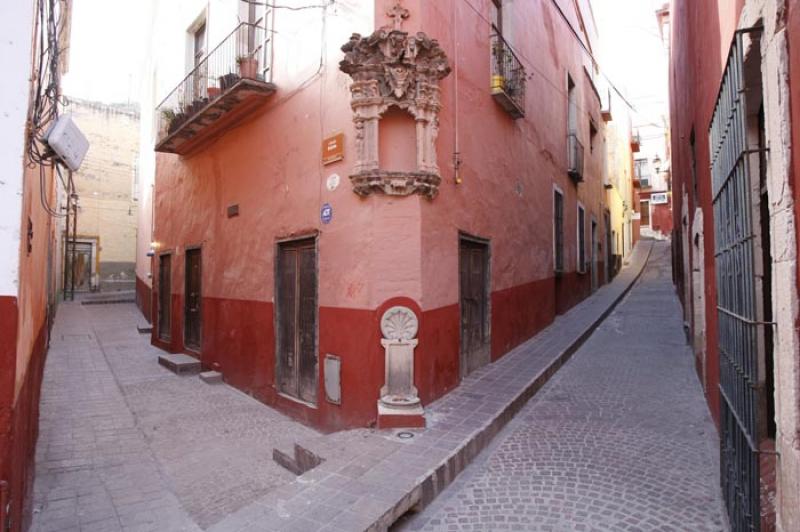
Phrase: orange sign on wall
(333,149)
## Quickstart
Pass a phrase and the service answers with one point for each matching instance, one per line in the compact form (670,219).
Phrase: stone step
(180,364)
(144,328)
(211,377)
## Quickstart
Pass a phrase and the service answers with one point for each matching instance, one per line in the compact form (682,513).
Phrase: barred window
(558,231)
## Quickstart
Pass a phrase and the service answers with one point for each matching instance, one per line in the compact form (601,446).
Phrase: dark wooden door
(297,319)
(165,297)
(474,301)
(193,300)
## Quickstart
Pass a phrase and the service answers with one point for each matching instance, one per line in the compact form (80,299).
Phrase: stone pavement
(370,479)
(126,445)
(619,439)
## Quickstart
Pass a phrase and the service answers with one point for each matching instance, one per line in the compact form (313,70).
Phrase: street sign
(659,198)
(326,213)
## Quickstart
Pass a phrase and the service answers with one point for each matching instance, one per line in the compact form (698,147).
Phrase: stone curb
(434,483)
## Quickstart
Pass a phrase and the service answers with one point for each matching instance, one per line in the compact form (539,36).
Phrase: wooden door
(193,300)
(474,302)
(296,294)
(165,297)
(594,257)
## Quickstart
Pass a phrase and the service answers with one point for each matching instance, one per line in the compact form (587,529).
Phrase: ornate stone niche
(392,68)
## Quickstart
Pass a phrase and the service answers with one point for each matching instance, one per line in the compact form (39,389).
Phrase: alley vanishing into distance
(620,439)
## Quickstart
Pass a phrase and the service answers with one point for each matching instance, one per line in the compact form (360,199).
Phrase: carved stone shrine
(392,68)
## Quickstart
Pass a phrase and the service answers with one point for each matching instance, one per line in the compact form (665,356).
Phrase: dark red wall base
(239,341)
(19,423)
(144,299)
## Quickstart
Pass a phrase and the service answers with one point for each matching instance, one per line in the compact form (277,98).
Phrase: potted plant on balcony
(248,66)
(167,119)
(213,92)
(228,80)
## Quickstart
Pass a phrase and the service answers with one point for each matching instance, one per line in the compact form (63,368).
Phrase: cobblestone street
(619,439)
(126,445)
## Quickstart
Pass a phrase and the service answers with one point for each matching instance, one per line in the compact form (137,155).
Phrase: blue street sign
(326,213)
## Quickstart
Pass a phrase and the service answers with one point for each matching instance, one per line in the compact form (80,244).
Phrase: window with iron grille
(742,323)
(581,239)
(558,231)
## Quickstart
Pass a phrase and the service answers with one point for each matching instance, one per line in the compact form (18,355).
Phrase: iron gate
(740,372)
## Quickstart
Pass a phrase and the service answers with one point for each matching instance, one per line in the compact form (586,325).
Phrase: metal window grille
(558,230)
(734,254)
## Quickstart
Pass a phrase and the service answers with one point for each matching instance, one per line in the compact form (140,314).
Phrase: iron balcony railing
(243,54)
(574,157)
(508,76)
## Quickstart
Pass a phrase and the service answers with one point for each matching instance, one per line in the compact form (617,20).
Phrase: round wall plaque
(399,323)
(333,182)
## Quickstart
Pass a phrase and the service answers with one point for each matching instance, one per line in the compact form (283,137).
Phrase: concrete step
(144,328)
(211,377)
(180,364)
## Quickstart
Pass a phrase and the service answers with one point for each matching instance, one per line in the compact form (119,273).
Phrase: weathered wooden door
(594,257)
(165,297)
(474,301)
(296,289)
(193,300)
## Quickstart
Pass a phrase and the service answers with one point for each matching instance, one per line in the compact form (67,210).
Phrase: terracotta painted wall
(695,80)
(378,249)
(694,85)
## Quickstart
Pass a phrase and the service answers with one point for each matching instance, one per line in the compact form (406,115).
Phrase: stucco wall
(694,86)
(16,26)
(105,184)
(379,248)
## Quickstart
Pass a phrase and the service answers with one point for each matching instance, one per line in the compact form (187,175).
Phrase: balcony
(508,78)
(636,142)
(574,158)
(223,90)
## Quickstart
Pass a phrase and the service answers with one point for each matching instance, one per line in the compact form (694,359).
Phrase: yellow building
(620,145)
(105,249)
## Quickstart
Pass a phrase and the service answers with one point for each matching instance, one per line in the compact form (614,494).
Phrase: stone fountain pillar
(399,405)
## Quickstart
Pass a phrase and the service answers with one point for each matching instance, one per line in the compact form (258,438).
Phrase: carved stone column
(399,405)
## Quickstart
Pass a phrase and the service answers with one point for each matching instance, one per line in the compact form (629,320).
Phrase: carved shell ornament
(399,323)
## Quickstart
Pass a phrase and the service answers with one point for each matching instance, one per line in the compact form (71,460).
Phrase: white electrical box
(67,141)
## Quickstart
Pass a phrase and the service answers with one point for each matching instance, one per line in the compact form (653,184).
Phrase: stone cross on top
(399,14)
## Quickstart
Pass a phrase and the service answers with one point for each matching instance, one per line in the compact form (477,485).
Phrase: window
(581,239)
(694,167)
(497,16)
(199,44)
(572,107)
(558,231)
(592,135)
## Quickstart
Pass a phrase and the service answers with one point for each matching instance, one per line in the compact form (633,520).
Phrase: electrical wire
(45,96)
(290,8)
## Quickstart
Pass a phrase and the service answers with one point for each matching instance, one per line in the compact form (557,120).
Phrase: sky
(633,56)
(106,50)
(107,54)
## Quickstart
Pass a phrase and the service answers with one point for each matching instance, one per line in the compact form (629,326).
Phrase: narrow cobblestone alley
(620,439)
(126,445)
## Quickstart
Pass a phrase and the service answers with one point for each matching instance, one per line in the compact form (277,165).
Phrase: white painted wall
(16,29)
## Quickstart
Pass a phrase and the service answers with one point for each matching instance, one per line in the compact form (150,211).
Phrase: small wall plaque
(333,149)
(233,210)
